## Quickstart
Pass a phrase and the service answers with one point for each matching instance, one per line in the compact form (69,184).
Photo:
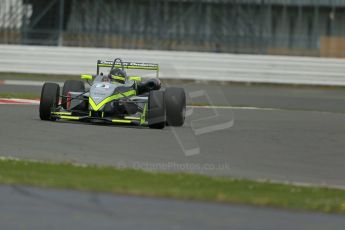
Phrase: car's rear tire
(50,95)
(175,102)
(156,110)
(71,86)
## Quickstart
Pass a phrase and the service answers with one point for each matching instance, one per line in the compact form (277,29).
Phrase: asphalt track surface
(299,139)
(59,209)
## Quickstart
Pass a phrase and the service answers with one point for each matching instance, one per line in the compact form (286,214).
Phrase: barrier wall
(178,65)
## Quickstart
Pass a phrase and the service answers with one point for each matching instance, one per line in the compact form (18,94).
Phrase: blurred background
(282,27)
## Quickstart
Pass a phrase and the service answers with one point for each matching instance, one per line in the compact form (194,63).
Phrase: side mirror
(135,78)
(86,77)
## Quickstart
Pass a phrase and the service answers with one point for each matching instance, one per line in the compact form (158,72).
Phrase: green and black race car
(115,97)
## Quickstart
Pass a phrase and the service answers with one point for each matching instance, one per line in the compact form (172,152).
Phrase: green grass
(171,185)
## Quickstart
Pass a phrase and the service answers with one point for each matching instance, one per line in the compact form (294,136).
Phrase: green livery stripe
(61,113)
(70,117)
(118,78)
(96,107)
(132,118)
(86,77)
(134,78)
(122,121)
(143,115)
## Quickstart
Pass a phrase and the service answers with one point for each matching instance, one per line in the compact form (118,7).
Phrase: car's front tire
(50,95)
(175,102)
(156,110)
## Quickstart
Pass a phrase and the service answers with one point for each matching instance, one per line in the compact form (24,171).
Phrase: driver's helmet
(118,75)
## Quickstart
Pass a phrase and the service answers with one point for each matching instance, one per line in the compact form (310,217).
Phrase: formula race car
(115,97)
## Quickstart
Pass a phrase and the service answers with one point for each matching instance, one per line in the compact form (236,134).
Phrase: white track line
(261,108)
(230,107)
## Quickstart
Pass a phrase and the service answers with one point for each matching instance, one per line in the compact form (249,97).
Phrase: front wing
(93,116)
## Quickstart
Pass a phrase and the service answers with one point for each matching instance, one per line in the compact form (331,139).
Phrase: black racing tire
(50,95)
(71,86)
(156,110)
(175,102)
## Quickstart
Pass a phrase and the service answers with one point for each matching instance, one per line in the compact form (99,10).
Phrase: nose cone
(101,90)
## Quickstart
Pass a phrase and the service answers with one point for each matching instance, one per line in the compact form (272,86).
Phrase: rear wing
(128,65)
